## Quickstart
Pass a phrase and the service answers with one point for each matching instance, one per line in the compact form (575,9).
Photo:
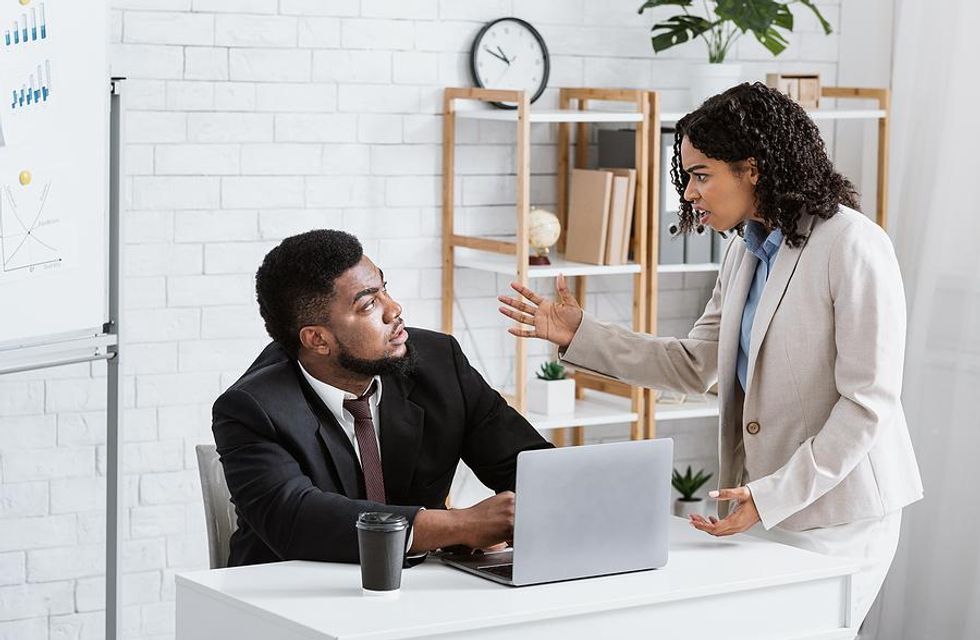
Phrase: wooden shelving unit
(599,400)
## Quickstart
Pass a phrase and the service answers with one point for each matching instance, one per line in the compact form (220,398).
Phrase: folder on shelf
(620,216)
(588,216)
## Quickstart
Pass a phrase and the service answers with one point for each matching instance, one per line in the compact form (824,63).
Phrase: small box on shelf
(803,88)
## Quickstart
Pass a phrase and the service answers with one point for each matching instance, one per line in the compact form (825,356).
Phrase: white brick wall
(250,120)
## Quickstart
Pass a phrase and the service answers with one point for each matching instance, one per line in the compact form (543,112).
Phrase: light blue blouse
(765,249)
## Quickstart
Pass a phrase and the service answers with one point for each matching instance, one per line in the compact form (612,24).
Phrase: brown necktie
(367,445)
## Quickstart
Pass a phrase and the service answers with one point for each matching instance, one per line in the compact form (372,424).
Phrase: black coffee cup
(381,541)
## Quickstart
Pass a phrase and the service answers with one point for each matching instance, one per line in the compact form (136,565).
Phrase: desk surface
(327,597)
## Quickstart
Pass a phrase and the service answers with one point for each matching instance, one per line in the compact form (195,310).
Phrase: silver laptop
(583,512)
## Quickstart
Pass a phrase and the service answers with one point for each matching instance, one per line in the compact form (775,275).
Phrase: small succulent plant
(687,485)
(551,371)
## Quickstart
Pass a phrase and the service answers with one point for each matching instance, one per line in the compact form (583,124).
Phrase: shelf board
(688,268)
(595,409)
(552,115)
(706,409)
(507,265)
(816,114)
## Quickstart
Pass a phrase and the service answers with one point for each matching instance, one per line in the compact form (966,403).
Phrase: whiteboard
(54,87)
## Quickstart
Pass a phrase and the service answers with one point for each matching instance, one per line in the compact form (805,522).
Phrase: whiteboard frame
(92,345)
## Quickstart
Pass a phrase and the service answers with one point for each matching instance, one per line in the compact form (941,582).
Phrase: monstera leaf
(768,20)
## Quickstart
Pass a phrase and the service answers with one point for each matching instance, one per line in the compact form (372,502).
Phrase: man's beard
(389,365)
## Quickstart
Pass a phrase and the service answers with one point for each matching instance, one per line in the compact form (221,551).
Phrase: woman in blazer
(804,334)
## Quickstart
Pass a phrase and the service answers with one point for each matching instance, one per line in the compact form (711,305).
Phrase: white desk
(734,588)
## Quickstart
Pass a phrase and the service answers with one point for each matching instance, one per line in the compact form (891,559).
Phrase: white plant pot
(708,79)
(551,397)
(685,508)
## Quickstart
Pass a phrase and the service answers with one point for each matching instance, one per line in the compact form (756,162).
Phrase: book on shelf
(588,216)
(620,216)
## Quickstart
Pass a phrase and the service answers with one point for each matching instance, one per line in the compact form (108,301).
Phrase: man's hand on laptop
(483,525)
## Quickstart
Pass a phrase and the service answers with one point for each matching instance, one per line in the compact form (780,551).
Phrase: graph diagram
(28,235)
(24,31)
(36,90)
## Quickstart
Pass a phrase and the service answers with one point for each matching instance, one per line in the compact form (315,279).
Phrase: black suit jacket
(292,472)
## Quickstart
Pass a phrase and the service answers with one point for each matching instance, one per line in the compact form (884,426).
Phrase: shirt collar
(334,397)
(763,246)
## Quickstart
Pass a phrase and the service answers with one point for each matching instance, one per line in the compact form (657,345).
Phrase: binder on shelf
(617,148)
(588,216)
(620,216)
(671,240)
(718,245)
(698,245)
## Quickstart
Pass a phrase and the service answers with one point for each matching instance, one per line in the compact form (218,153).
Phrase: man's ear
(317,339)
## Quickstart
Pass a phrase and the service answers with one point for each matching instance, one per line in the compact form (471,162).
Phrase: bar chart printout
(29,27)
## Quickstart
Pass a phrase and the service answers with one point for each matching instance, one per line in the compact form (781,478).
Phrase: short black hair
(296,280)
(795,175)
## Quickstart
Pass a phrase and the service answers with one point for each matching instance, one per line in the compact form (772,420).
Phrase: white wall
(250,120)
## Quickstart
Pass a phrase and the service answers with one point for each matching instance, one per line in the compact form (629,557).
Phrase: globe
(544,229)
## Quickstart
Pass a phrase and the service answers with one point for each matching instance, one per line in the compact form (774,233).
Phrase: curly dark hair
(795,175)
(296,281)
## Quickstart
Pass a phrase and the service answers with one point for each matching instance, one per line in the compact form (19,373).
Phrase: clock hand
(496,55)
(506,59)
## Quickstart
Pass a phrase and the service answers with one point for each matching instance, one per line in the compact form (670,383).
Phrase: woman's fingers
(520,305)
(527,293)
(522,333)
(523,318)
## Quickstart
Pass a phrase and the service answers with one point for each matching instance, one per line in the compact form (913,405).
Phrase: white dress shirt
(334,398)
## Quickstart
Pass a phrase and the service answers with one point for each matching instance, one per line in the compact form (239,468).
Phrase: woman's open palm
(555,321)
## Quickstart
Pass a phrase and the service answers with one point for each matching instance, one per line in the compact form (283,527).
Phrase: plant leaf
(827,29)
(677,30)
(749,15)
(772,40)
(784,18)
(650,4)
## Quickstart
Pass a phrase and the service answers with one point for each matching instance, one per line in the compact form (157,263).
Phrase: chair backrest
(219,512)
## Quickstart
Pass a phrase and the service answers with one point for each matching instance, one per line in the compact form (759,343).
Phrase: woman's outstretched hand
(555,321)
(742,517)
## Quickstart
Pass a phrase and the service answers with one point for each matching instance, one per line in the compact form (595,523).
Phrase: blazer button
(753,428)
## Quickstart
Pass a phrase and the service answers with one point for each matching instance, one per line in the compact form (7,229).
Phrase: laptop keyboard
(502,570)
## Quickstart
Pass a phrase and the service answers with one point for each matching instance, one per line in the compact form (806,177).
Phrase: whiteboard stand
(94,345)
(114,408)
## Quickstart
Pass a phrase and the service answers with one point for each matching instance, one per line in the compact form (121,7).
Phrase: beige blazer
(820,433)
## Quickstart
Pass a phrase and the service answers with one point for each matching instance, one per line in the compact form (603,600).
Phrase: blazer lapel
(401,434)
(773,292)
(731,321)
(336,442)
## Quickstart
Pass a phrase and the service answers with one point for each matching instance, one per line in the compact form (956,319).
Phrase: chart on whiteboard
(39,233)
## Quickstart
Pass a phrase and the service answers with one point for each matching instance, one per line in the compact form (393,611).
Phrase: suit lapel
(773,292)
(336,442)
(731,321)
(401,434)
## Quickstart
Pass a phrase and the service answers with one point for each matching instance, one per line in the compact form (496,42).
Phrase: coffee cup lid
(379,521)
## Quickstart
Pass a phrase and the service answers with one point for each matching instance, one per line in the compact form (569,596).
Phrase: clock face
(510,54)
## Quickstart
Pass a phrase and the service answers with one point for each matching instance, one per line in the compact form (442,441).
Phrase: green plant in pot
(687,484)
(723,23)
(551,392)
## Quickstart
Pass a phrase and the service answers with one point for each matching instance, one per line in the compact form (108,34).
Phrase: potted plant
(687,485)
(726,21)
(551,392)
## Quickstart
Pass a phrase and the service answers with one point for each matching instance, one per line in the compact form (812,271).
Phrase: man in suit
(347,411)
